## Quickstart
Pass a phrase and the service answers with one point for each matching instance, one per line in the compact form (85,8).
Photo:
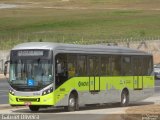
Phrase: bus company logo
(83,84)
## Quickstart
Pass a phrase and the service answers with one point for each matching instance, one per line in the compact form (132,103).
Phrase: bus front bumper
(47,100)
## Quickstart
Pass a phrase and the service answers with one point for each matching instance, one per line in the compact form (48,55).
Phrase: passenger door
(94,78)
(138,76)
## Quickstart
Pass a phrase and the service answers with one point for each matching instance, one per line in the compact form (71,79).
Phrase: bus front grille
(28,99)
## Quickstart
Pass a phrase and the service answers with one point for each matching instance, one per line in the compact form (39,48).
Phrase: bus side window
(81,66)
(105,67)
(150,66)
(115,65)
(127,66)
(137,68)
(71,65)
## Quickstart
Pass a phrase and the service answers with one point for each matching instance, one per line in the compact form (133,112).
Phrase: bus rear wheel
(124,98)
(34,108)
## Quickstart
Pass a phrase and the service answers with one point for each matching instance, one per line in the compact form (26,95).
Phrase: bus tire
(34,108)
(72,102)
(124,98)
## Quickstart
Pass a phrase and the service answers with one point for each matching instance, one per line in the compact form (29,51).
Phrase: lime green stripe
(82,84)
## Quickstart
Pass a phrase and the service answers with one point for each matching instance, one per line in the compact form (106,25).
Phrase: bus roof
(74,48)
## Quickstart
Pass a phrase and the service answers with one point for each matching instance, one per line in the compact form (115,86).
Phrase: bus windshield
(31,73)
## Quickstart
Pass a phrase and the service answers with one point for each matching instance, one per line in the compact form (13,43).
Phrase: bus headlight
(47,91)
(11,91)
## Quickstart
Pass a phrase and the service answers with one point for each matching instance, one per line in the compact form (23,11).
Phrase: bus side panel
(147,91)
(110,89)
(148,82)
(62,92)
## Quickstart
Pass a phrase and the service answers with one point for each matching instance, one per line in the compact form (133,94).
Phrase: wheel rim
(124,99)
(72,102)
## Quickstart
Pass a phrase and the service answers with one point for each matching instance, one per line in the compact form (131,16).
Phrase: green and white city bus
(43,74)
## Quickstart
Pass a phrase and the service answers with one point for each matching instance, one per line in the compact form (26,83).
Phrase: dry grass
(145,109)
(78,20)
(145,112)
(89,4)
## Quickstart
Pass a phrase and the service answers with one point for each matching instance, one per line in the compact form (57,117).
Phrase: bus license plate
(27,103)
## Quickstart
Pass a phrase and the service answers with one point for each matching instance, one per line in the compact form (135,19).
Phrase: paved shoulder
(2,77)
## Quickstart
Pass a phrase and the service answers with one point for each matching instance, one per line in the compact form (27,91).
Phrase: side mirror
(6,67)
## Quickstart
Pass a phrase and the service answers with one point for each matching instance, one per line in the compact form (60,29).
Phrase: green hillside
(80,21)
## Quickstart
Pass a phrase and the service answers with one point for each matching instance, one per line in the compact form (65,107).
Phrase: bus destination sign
(30,53)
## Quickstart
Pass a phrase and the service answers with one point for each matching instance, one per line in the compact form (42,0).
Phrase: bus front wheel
(34,108)
(124,98)
(72,103)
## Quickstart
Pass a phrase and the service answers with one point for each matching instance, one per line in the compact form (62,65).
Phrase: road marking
(157,86)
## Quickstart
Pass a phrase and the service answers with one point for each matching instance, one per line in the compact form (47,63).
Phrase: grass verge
(75,20)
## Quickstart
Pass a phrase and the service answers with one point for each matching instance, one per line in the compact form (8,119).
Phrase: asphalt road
(4,90)
(106,112)
(65,117)
(157,87)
